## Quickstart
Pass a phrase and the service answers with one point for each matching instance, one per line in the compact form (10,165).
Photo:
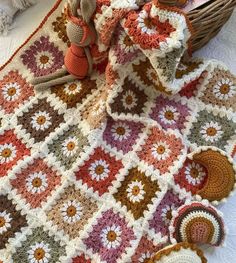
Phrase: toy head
(79,31)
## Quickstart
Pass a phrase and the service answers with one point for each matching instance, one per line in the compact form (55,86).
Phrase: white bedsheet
(222,47)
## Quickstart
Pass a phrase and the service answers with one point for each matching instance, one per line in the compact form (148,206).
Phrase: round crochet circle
(197,223)
(179,253)
(220,175)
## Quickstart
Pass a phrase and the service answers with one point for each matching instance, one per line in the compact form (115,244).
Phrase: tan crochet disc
(221,175)
(179,253)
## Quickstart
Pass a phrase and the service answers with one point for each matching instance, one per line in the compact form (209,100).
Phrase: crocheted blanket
(115,167)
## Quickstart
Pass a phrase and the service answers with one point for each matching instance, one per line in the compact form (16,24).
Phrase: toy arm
(54,82)
(59,73)
(90,60)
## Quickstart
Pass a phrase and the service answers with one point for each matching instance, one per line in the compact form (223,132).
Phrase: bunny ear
(73,5)
(87,9)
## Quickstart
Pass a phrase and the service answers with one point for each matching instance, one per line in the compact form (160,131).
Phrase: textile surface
(94,169)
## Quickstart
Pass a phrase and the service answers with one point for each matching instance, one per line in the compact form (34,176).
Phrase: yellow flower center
(160,149)
(41,120)
(2,221)
(135,190)
(72,87)
(148,23)
(6,153)
(111,236)
(120,130)
(224,89)
(71,211)
(211,131)
(169,115)
(169,214)
(39,254)
(146,260)
(37,182)
(11,91)
(44,59)
(99,169)
(194,172)
(128,42)
(70,146)
(129,100)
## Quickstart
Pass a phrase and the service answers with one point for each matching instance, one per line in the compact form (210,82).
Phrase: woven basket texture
(207,20)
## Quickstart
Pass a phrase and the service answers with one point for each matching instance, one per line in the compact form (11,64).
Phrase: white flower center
(111,236)
(194,173)
(71,211)
(161,151)
(73,88)
(129,100)
(99,170)
(7,153)
(120,131)
(39,253)
(70,146)
(211,131)
(224,89)
(11,91)
(37,182)
(135,191)
(41,120)
(44,60)
(169,115)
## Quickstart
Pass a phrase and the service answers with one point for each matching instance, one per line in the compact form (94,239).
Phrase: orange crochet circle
(221,175)
(111,236)
(224,89)
(39,254)
(2,221)
(70,146)
(37,182)
(6,153)
(41,120)
(99,169)
(44,59)
(160,149)
(71,211)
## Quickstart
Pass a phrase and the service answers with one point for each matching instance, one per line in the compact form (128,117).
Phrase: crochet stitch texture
(115,167)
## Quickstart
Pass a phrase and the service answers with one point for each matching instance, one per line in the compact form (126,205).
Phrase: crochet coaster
(207,173)
(220,174)
(197,222)
(179,253)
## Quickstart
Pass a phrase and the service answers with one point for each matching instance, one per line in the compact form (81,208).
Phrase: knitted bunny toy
(8,8)
(81,33)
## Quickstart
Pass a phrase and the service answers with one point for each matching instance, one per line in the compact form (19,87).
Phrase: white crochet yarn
(185,255)
(23,4)
(7,11)
(5,22)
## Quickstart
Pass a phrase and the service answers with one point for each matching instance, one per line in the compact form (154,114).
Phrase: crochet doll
(82,34)
(8,9)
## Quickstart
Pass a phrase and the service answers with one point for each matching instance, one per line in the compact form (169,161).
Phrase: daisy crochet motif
(126,164)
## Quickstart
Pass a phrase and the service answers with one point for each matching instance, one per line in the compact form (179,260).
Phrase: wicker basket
(207,20)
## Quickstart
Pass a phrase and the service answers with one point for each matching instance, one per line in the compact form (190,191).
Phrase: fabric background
(222,47)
